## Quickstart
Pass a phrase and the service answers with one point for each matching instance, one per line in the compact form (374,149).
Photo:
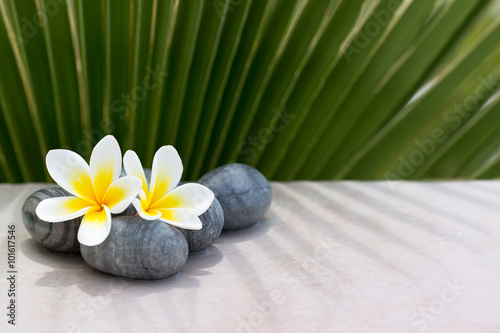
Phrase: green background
(310,89)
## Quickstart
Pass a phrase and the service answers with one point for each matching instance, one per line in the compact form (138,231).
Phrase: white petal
(181,218)
(142,195)
(166,173)
(70,171)
(193,197)
(95,227)
(121,193)
(133,167)
(105,164)
(149,215)
(61,209)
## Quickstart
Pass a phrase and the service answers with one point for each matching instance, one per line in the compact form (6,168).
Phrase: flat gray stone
(243,192)
(60,236)
(212,221)
(139,249)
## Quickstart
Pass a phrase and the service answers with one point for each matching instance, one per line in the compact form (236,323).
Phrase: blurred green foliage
(300,89)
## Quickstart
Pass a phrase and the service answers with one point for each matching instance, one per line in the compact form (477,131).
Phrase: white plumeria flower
(163,200)
(98,189)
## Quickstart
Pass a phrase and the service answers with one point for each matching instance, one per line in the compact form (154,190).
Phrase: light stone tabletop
(329,257)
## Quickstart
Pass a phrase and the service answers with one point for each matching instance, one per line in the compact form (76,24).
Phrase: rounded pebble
(60,236)
(243,192)
(139,249)
(212,221)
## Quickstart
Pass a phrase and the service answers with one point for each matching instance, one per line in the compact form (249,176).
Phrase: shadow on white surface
(71,270)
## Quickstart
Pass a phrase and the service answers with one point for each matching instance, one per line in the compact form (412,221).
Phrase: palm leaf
(302,89)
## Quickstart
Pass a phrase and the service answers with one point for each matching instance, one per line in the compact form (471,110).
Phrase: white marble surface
(330,257)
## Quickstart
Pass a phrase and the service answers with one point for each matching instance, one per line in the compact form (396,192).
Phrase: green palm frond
(300,89)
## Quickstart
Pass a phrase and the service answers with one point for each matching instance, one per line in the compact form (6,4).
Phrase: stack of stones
(140,249)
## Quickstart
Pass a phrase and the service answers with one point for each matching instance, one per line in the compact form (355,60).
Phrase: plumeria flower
(98,190)
(163,200)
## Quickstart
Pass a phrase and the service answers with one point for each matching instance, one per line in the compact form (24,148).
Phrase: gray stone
(60,236)
(212,221)
(139,249)
(243,192)
(147,174)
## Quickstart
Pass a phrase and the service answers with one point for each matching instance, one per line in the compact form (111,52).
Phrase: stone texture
(243,192)
(212,221)
(139,249)
(147,174)
(60,236)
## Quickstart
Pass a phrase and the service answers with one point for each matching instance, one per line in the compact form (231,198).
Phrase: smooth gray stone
(212,221)
(147,174)
(139,249)
(243,192)
(60,236)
